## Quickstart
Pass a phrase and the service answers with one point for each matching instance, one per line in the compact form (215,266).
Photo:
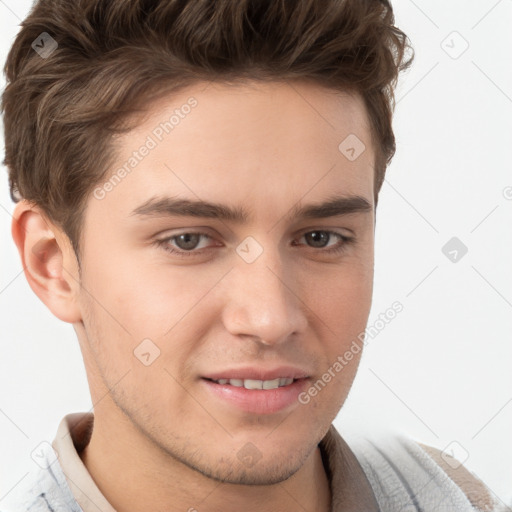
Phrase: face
(210,258)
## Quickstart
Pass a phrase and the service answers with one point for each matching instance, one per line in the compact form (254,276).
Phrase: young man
(196,187)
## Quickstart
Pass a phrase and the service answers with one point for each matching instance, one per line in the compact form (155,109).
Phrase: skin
(170,444)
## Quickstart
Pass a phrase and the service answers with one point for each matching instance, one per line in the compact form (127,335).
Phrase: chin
(262,473)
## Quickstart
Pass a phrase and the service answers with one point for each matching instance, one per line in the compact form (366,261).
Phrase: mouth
(255,396)
(278,382)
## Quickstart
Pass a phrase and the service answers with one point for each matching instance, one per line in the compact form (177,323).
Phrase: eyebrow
(168,206)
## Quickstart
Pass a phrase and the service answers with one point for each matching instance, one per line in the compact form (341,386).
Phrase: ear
(48,260)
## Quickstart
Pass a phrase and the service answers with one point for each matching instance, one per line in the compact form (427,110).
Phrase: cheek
(341,303)
(144,308)
(341,296)
(144,298)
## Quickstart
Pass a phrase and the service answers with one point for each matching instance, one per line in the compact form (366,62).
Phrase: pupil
(187,241)
(318,238)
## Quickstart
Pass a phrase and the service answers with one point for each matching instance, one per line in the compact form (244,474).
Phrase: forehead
(264,143)
(255,112)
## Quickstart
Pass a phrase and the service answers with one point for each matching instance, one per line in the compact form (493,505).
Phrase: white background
(440,371)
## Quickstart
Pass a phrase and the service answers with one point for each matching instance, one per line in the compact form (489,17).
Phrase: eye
(184,244)
(319,239)
(192,243)
(187,241)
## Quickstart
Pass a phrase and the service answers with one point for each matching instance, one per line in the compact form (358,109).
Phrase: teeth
(270,384)
(256,384)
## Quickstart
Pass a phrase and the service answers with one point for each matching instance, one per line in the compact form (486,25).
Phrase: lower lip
(259,401)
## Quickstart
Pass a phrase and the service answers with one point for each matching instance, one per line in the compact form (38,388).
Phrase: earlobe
(47,261)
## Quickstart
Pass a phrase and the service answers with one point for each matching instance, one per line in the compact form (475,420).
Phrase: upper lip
(258,373)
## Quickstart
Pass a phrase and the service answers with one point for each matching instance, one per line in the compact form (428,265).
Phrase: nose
(261,302)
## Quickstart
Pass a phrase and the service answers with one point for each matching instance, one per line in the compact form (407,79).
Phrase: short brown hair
(115,56)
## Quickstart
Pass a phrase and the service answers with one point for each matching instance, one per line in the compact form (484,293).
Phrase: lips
(257,390)
(259,374)
(255,401)
(256,384)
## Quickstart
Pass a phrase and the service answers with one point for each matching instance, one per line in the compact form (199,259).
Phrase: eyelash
(164,243)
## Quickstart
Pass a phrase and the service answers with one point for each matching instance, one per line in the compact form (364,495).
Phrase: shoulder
(44,488)
(405,473)
(475,490)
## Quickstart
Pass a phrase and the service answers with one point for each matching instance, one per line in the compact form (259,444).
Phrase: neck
(136,475)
